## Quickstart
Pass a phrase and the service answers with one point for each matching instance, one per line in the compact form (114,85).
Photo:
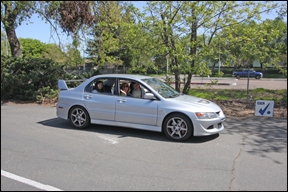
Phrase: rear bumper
(62,111)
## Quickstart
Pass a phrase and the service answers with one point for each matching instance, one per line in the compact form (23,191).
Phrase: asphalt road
(250,154)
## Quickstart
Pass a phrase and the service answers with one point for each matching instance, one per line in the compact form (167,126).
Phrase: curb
(229,84)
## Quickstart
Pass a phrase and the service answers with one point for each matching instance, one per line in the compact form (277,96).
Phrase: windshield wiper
(173,96)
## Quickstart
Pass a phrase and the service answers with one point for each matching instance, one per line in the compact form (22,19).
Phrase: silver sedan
(158,106)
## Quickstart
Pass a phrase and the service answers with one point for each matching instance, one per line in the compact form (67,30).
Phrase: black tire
(257,77)
(237,76)
(177,127)
(79,117)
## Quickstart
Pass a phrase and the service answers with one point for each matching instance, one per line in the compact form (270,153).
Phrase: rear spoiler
(62,83)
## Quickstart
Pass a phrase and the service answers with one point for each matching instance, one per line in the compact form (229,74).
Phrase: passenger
(125,89)
(98,88)
(137,90)
(131,87)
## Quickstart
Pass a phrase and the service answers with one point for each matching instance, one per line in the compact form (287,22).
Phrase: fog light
(210,127)
(219,125)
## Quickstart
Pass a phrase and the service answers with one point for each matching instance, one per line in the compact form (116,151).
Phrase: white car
(161,108)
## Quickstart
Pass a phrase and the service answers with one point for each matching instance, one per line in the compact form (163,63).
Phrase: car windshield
(163,89)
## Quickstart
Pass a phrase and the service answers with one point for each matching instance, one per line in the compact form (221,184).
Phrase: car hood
(203,104)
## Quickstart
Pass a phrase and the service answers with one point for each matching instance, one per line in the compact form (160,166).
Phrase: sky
(42,31)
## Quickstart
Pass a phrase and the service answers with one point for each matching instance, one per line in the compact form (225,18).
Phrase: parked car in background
(160,108)
(244,73)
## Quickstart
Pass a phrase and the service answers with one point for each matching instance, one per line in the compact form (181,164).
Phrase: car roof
(130,76)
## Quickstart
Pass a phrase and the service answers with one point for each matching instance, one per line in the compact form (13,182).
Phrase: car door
(252,73)
(245,73)
(136,110)
(101,106)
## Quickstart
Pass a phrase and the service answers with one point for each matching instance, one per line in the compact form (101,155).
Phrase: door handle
(121,100)
(88,96)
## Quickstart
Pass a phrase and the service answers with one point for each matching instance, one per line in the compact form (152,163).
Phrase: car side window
(126,88)
(101,86)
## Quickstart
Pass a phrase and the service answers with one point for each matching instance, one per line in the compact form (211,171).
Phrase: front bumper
(204,127)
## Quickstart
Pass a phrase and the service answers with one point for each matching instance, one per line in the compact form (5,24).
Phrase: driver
(137,90)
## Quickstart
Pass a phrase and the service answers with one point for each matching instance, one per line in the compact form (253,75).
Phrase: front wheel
(177,127)
(257,77)
(79,117)
(237,76)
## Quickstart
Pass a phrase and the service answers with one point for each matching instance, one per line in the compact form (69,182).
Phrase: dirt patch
(240,108)
(231,107)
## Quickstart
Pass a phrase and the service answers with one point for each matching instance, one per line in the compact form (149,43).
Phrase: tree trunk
(13,41)
(9,20)
(177,75)
(192,50)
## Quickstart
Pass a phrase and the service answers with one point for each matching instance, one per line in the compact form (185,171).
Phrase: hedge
(26,78)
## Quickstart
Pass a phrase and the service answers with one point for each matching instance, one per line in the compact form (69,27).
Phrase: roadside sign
(264,108)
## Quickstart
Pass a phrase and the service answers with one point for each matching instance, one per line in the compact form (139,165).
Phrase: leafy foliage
(4,40)
(108,43)
(70,15)
(55,53)
(29,78)
(32,47)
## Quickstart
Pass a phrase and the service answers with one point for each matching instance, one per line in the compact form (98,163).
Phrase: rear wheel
(79,117)
(177,127)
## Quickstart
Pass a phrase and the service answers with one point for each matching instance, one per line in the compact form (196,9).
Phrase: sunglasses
(125,86)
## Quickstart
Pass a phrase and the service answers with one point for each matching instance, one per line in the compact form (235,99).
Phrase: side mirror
(149,96)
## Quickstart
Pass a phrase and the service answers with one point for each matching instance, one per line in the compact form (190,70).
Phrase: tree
(71,16)
(32,47)
(56,54)
(272,42)
(277,46)
(171,20)
(73,54)
(5,47)
(109,42)
(13,13)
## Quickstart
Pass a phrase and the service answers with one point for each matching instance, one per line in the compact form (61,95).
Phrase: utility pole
(6,44)
(248,81)
(167,56)
(84,62)
(83,55)
(219,56)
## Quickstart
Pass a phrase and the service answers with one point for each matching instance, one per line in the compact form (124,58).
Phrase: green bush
(29,78)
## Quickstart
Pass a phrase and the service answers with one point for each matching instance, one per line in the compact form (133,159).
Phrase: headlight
(206,115)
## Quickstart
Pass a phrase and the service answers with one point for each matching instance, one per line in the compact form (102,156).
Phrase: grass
(268,76)
(226,94)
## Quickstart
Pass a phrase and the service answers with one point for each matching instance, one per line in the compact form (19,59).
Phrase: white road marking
(29,181)
(109,139)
